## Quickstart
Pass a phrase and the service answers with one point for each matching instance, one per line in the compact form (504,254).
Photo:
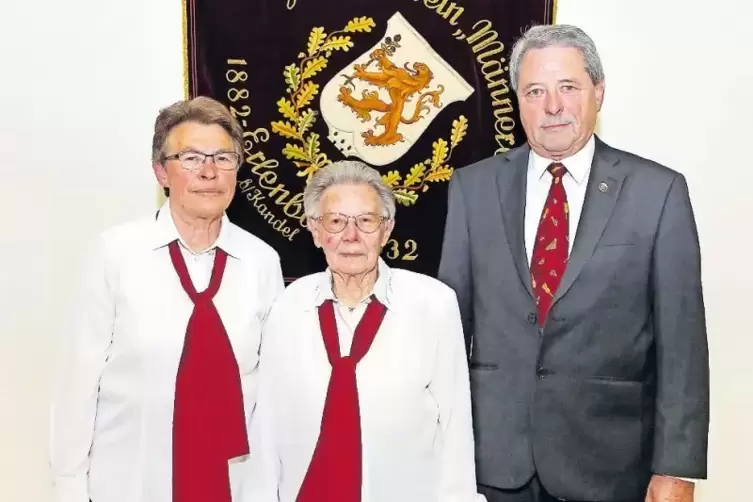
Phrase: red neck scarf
(334,474)
(209,421)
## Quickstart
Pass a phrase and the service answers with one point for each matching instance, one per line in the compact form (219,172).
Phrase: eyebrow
(569,81)
(563,81)
(196,150)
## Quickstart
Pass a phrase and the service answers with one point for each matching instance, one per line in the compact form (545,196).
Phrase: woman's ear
(313,227)
(387,228)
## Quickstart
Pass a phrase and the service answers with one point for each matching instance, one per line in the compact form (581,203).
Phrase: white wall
(80,85)
(82,82)
(678,80)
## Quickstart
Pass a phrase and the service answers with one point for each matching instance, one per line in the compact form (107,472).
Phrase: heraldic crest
(376,108)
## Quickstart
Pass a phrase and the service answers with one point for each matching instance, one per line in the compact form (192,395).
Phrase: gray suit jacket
(615,387)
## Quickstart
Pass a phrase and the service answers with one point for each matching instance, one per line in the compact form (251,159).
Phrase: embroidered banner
(414,88)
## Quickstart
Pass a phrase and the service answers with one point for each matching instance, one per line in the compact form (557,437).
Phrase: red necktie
(334,474)
(550,250)
(209,421)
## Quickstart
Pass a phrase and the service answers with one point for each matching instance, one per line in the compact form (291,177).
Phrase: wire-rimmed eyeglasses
(335,223)
(192,160)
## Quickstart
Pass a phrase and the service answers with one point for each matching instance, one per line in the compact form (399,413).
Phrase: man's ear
(599,89)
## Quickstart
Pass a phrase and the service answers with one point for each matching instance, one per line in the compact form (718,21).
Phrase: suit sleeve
(682,402)
(455,262)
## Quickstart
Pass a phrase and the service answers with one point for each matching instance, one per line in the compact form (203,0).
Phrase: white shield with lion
(378,106)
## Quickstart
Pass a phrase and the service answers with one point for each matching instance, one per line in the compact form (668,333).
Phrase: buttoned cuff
(689,480)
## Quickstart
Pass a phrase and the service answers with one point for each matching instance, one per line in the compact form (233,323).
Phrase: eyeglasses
(335,223)
(193,160)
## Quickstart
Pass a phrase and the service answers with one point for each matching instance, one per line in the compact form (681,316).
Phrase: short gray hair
(201,109)
(558,35)
(347,172)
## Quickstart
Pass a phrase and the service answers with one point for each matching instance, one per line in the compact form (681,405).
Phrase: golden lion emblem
(401,84)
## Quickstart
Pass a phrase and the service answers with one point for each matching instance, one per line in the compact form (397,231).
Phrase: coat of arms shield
(378,106)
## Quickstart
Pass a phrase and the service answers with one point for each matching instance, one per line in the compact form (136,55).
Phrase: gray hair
(201,109)
(347,172)
(558,35)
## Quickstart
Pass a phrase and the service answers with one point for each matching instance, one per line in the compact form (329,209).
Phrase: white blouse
(413,391)
(111,437)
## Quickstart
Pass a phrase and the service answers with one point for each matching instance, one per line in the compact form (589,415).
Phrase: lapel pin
(603,187)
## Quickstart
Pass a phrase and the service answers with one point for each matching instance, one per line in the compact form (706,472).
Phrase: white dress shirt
(413,391)
(111,437)
(537,189)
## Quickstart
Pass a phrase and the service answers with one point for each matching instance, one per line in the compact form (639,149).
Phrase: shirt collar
(578,165)
(166,232)
(382,288)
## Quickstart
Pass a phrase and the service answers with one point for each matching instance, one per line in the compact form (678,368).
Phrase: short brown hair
(201,109)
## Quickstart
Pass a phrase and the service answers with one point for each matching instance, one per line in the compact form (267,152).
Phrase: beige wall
(678,87)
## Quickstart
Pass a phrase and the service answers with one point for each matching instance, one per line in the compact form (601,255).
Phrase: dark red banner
(414,88)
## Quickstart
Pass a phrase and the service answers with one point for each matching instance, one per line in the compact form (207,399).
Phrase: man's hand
(669,489)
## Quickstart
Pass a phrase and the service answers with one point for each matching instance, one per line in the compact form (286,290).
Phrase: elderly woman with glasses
(363,390)
(159,366)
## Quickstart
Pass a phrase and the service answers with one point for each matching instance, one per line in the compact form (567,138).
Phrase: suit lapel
(511,184)
(604,185)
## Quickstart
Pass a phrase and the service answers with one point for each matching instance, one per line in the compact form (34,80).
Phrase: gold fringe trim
(160,195)
(184,17)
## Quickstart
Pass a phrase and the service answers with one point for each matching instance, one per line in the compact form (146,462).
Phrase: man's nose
(553,103)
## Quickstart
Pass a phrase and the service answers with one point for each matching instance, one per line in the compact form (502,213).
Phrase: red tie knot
(203,301)
(347,363)
(557,169)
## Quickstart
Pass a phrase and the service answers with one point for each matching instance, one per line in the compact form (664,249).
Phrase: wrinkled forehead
(555,63)
(350,199)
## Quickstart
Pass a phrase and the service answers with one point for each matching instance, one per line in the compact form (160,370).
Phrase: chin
(210,208)
(560,145)
(353,265)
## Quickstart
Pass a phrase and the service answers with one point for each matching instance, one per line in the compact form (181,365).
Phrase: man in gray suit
(577,270)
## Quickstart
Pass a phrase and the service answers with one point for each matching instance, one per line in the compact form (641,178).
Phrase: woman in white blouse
(158,369)
(363,392)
